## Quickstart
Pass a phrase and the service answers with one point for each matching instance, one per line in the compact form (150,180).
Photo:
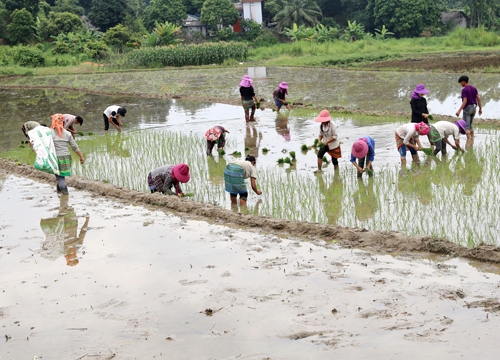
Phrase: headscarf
(422,128)
(58,124)
(246,81)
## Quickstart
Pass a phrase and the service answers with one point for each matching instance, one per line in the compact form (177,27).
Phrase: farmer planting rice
(363,150)
(470,100)
(329,139)
(445,129)
(407,136)
(215,135)
(62,138)
(248,98)
(418,103)
(279,96)
(70,120)
(28,126)
(235,174)
(113,115)
(166,177)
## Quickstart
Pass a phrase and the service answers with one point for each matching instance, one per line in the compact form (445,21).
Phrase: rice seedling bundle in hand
(427,151)
(369,172)
(430,117)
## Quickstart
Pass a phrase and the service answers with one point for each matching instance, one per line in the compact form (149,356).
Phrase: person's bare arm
(464,102)
(254,186)
(478,98)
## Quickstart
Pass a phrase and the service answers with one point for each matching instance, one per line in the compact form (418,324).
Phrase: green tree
(193,6)
(300,12)
(71,6)
(219,12)
(117,36)
(61,22)
(20,30)
(406,18)
(173,11)
(31,5)
(105,14)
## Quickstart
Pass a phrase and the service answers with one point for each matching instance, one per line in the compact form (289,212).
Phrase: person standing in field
(363,150)
(470,100)
(113,115)
(70,120)
(235,174)
(279,96)
(248,98)
(407,137)
(215,135)
(62,138)
(445,129)
(166,177)
(418,103)
(329,140)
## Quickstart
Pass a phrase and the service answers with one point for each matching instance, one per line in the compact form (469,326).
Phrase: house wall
(253,11)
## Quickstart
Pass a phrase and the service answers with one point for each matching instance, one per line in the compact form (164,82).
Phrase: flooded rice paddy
(86,277)
(454,198)
(367,90)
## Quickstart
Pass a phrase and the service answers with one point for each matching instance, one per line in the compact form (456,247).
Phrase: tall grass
(186,55)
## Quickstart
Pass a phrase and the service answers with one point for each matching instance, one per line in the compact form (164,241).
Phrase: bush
(265,38)
(186,55)
(61,48)
(28,57)
(117,36)
(97,50)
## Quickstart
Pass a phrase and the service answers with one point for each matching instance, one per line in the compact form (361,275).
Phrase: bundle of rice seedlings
(281,161)
(292,155)
(221,152)
(287,160)
(265,150)
(369,172)
(429,117)
(427,151)
(304,148)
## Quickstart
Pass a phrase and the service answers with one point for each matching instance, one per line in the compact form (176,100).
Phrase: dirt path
(347,237)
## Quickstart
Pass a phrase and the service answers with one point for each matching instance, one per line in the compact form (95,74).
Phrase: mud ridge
(494,123)
(348,237)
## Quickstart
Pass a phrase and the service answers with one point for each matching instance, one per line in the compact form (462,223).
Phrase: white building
(250,10)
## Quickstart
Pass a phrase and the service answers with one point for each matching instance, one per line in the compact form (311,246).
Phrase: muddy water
(86,277)
(381,91)
(404,201)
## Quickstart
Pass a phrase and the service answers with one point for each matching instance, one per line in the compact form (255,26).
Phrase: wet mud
(346,237)
(97,276)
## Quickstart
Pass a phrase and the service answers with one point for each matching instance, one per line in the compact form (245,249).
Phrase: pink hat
(359,149)
(181,173)
(422,128)
(324,116)
(283,85)
(246,81)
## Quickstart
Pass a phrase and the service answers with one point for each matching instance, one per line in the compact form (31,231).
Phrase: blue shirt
(371,148)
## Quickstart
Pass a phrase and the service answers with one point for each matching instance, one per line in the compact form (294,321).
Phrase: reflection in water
(252,139)
(216,169)
(115,147)
(61,234)
(281,125)
(470,170)
(417,183)
(333,195)
(365,201)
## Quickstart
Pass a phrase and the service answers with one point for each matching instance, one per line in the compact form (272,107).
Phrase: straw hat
(324,116)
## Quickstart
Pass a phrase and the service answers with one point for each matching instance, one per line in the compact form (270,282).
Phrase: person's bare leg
(320,165)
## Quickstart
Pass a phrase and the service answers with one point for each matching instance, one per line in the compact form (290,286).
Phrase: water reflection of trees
(61,233)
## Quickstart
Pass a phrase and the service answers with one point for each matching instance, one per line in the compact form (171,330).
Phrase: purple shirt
(469,92)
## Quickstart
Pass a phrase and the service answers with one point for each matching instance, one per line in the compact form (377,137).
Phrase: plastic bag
(46,158)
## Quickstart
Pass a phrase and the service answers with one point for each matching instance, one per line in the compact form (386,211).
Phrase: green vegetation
(265,150)
(185,55)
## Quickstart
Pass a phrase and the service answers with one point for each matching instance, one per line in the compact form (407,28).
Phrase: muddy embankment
(347,237)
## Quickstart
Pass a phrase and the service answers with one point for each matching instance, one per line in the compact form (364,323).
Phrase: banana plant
(383,33)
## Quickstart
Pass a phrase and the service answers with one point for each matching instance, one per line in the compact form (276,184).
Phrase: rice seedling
(222,152)
(369,172)
(189,194)
(292,155)
(265,150)
(287,160)
(281,161)
(304,148)
(430,117)
(316,143)
(90,133)
(236,153)
(81,133)
(247,148)
(427,151)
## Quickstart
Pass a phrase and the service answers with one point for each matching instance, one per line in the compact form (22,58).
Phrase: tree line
(133,21)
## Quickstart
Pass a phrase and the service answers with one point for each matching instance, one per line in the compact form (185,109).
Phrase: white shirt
(446,128)
(69,120)
(110,109)
(407,132)
(249,170)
